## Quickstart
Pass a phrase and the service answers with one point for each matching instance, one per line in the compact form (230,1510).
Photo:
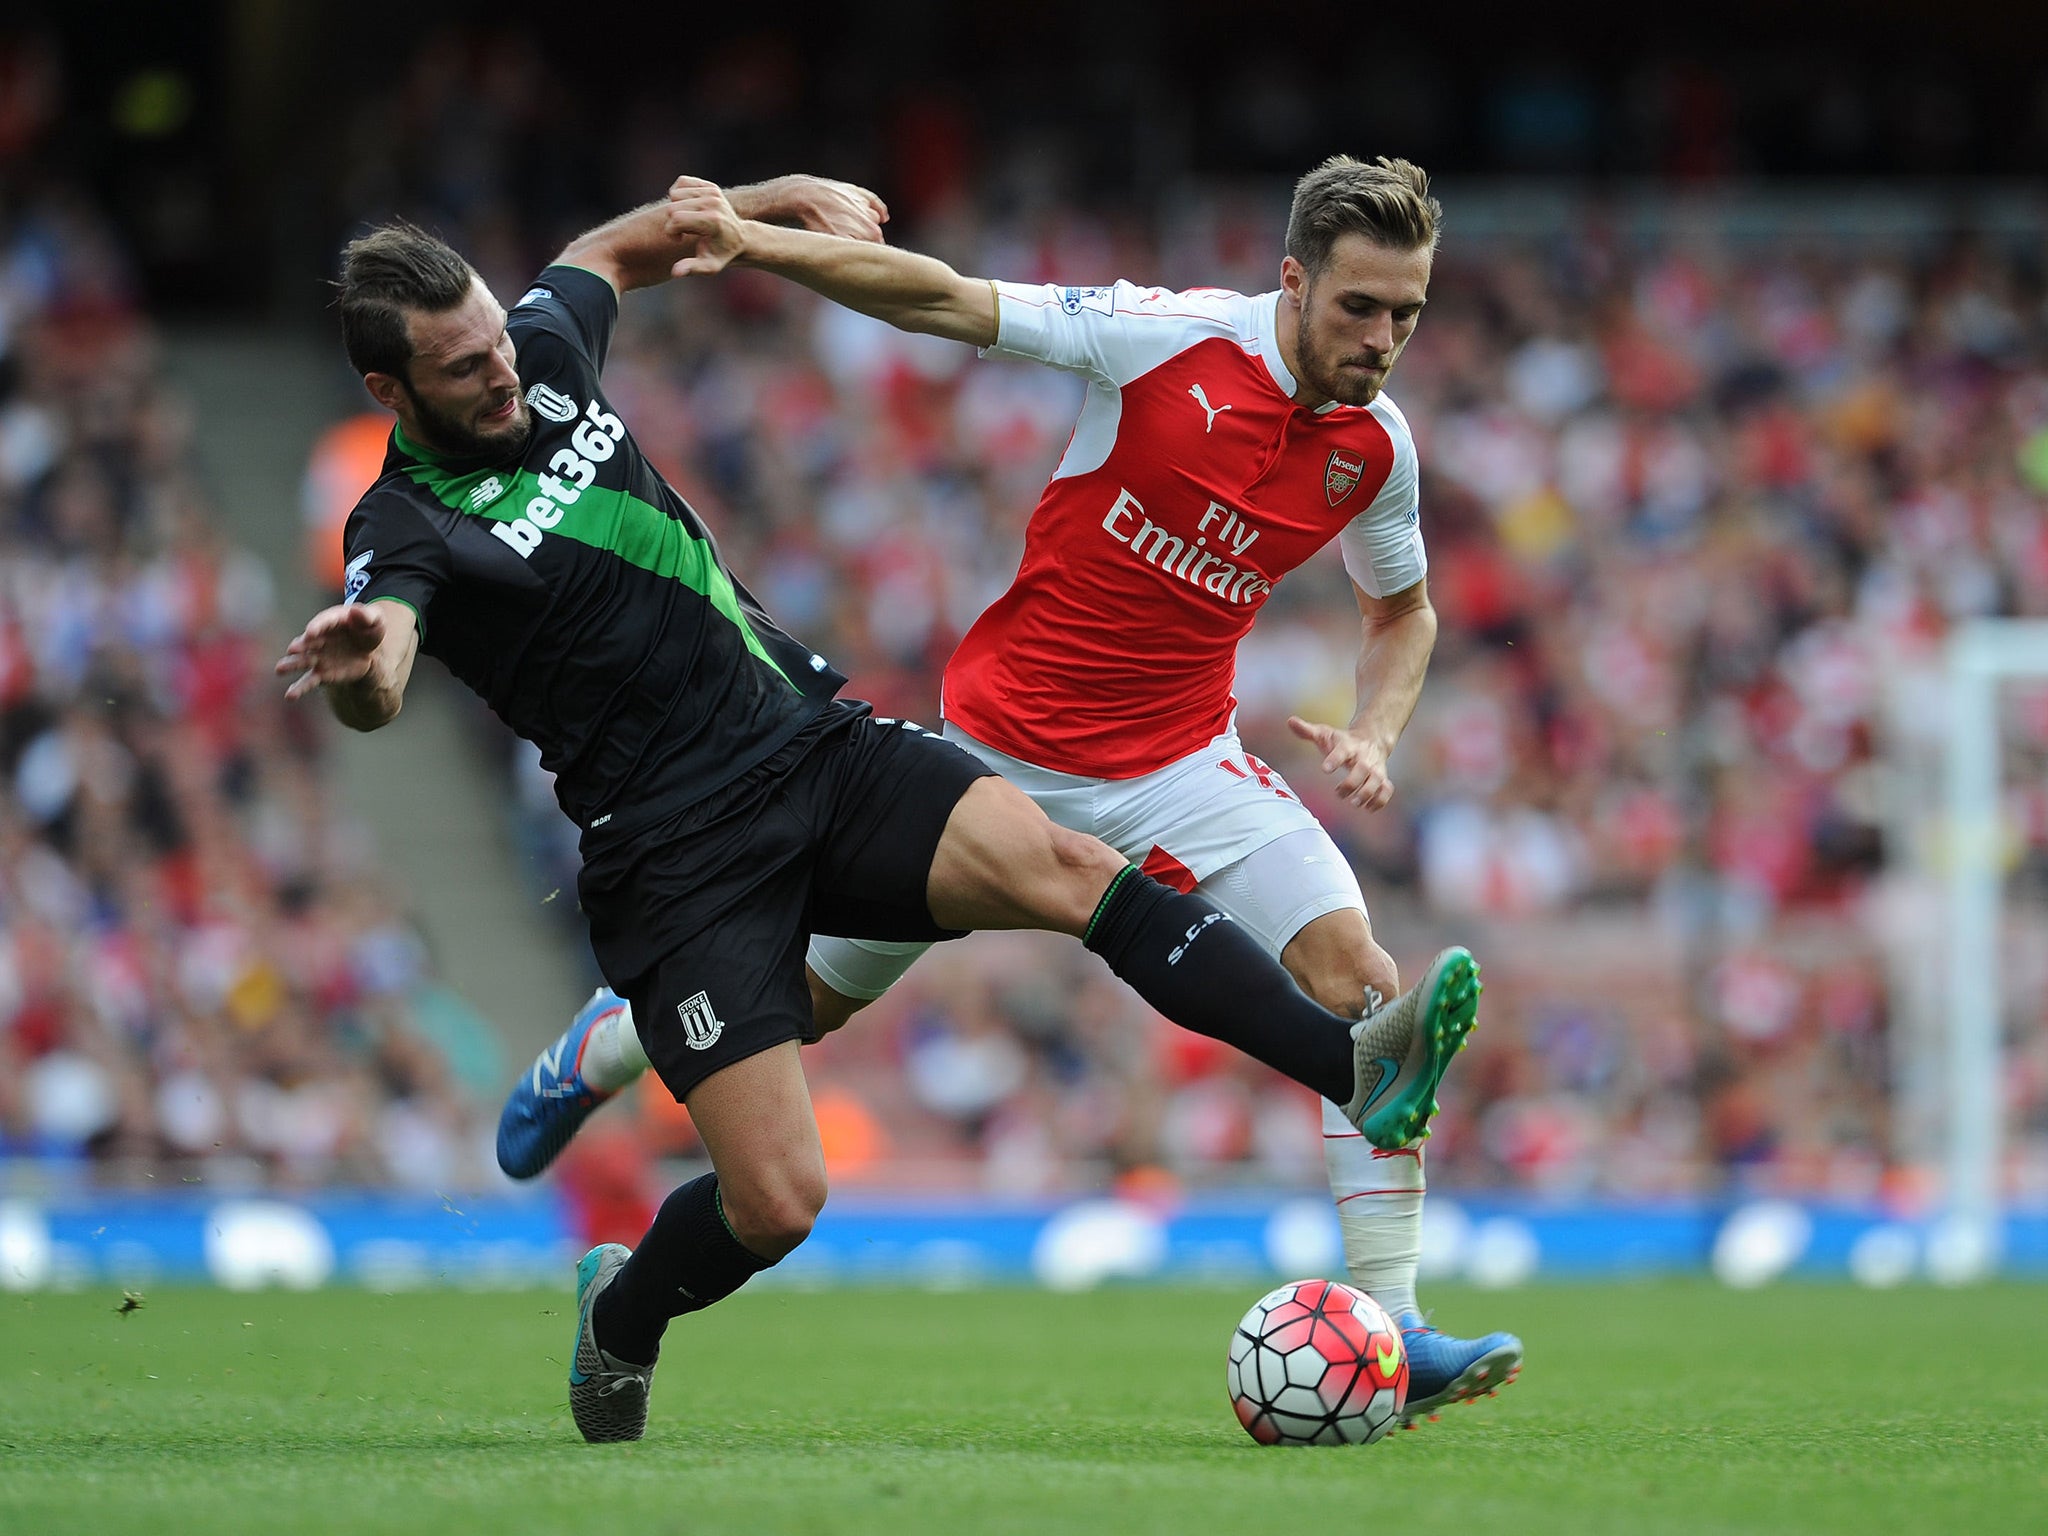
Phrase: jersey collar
(1267,334)
(453,464)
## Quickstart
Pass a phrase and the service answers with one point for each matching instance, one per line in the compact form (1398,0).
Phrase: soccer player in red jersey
(1224,439)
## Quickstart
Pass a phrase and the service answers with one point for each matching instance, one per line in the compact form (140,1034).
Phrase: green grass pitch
(1669,1407)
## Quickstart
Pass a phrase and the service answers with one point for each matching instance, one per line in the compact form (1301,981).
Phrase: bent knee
(772,1215)
(1340,994)
(830,1008)
(1079,855)
(1067,892)
(1338,977)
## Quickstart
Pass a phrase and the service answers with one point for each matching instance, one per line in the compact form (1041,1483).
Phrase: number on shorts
(1252,768)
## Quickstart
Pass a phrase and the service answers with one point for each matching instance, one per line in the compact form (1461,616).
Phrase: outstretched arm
(361,654)
(1399,632)
(637,250)
(911,292)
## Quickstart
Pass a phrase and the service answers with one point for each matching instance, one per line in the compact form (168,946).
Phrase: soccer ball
(1317,1363)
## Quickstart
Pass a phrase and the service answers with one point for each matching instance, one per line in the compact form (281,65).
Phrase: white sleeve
(1383,545)
(1113,334)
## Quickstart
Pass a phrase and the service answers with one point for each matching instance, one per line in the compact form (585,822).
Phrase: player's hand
(1362,767)
(702,220)
(820,203)
(338,645)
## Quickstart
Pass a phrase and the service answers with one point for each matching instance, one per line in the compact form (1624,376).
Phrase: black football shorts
(701,921)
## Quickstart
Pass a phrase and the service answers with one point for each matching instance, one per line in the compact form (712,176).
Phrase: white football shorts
(1219,822)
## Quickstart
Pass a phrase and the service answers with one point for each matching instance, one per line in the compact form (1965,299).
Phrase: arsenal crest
(1342,474)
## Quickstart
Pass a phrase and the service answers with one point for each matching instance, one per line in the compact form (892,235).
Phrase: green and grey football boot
(607,1395)
(1400,1050)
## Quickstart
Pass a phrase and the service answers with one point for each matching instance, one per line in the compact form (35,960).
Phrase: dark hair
(395,268)
(1387,201)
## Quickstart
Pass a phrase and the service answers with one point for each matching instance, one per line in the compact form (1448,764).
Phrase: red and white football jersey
(1192,484)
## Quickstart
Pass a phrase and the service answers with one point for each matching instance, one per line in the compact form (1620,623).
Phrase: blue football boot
(1443,1370)
(549,1104)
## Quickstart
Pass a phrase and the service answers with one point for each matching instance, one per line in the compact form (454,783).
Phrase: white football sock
(1379,1209)
(612,1057)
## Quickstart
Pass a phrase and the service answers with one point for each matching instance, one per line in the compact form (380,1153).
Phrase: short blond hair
(1387,201)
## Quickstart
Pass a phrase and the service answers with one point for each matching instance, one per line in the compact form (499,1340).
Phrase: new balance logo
(486,492)
(1213,411)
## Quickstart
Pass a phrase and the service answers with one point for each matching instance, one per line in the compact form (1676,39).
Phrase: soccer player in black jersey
(731,805)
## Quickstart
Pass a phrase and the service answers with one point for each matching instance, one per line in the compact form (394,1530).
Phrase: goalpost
(1980,656)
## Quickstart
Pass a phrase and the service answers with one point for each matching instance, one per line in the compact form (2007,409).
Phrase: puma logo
(1203,401)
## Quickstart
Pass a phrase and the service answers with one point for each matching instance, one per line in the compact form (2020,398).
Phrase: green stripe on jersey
(617,522)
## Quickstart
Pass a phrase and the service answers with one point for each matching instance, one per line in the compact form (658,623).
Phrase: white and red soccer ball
(1317,1363)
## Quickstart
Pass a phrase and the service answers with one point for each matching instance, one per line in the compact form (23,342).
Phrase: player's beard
(1322,363)
(459,436)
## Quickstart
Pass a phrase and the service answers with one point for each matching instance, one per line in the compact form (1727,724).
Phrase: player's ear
(1293,278)
(387,389)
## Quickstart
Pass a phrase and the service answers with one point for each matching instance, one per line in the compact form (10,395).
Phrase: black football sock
(1207,974)
(688,1259)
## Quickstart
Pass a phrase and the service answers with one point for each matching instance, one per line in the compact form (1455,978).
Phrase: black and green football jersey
(579,594)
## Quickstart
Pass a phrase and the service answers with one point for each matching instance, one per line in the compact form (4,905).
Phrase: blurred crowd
(1700,511)
(1699,517)
(201,979)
